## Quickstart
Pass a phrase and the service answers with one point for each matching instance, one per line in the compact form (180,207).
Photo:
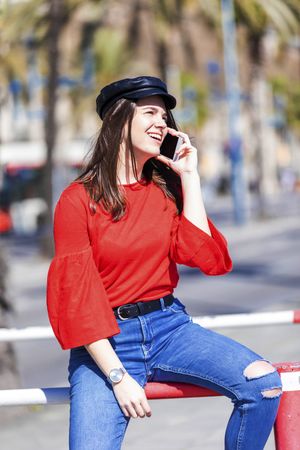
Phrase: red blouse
(100,264)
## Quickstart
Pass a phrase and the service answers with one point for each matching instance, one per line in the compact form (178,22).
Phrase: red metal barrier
(156,391)
(287,425)
(297,316)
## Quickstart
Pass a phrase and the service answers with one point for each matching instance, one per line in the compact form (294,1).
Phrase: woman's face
(149,127)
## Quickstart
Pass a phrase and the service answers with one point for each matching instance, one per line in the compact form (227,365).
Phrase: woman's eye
(165,119)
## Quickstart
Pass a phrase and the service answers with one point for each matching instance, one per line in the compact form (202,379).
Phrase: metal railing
(218,321)
(286,428)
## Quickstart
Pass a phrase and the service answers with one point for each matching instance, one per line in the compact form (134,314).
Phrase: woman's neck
(126,177)
(125,174)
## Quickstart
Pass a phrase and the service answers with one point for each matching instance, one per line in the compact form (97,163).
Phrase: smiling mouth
(157,137)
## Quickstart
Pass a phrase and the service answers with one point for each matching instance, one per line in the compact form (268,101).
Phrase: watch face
(116,375)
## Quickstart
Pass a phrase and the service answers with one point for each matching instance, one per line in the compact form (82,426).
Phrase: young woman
(119,231)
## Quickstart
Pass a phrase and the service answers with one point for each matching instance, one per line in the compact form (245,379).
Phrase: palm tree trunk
(264,145)
(56,10)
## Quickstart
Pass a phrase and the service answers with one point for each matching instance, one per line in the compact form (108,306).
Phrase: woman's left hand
(186,159)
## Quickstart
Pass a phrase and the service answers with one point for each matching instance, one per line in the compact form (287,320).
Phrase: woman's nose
(160,122)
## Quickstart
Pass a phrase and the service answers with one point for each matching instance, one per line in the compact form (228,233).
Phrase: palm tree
(45,21)
(56,14)
(146,44)
(254,17)
(284,18)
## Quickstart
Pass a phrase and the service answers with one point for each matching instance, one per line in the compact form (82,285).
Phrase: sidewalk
(185,424)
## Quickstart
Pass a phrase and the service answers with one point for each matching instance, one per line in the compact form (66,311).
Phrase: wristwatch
(116,375)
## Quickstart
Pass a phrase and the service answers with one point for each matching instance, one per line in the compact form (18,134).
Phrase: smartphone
(170,145)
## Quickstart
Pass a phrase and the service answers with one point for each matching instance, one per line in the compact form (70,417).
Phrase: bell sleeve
(78,307)
(194,248)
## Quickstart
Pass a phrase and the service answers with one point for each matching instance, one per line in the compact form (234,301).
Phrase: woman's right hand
(129,394)
(131,398)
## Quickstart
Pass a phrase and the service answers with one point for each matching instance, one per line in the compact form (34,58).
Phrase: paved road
(265,277)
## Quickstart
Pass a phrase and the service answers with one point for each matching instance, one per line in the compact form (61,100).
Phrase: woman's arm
(129,394)
(195,241)
(186,167)
(193,206)
(79,312)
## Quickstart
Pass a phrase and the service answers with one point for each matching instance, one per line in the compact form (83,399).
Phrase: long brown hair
(100,173)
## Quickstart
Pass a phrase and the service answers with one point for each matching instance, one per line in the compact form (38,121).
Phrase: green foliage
(256,15)
(110,54)
(290,92)
(113,54)
(190,80)
(293,107)
(251,14)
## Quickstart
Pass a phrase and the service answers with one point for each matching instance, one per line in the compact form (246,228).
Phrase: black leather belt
(131,310)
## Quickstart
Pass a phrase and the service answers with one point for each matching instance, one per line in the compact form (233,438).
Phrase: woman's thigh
(96,420)
(200,356)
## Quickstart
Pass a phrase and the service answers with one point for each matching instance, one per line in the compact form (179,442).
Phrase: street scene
(234,69)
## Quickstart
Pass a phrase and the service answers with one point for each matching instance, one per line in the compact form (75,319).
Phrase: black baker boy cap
(132,89)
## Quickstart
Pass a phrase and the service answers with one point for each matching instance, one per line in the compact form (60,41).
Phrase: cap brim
(169,100)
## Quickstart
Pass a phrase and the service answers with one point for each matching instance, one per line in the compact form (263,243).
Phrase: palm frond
(281,16)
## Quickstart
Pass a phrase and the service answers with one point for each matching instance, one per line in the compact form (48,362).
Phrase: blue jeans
(166,345)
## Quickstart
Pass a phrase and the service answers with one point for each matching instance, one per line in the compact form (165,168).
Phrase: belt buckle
(119,313)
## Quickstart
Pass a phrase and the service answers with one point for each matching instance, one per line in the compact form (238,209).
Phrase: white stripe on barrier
(241,320)
(23,334)
(36,396)
(221,321)
(290,381)
(60,395)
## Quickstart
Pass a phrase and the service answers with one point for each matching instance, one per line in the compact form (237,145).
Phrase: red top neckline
(139,183)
